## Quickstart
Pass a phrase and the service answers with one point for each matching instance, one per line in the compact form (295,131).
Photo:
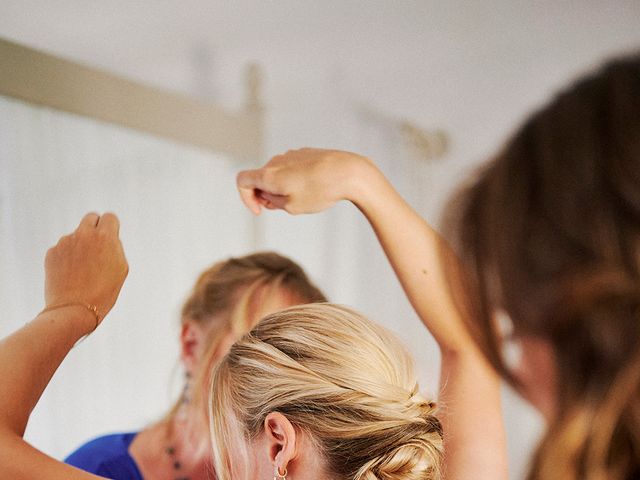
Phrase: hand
(87,266)
(303,181)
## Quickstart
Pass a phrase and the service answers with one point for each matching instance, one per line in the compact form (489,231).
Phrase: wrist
(80,318)
(365,183)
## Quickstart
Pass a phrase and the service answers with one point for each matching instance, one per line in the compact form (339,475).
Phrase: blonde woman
(314,392)
(227,300)
(311,180)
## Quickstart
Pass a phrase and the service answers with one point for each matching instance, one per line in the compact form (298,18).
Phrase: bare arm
(469,387)
(84,268)
(311,180)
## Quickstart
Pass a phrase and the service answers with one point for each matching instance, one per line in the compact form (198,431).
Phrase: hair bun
(419,458)
(415,445)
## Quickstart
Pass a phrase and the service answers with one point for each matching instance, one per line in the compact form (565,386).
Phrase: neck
(171,450)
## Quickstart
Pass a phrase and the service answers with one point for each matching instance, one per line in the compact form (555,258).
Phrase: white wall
(55,167)
(473,68)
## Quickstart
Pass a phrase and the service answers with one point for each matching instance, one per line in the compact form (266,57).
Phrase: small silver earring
(185,397)
(280,476)
(511,346)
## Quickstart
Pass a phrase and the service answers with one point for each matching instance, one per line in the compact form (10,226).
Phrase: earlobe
(277,475)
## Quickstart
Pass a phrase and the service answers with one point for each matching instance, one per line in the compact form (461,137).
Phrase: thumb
(247,182)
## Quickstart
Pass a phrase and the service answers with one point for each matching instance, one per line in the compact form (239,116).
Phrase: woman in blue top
(226,302)
(108,456)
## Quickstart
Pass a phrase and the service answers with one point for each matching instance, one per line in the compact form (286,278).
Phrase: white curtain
(179,213)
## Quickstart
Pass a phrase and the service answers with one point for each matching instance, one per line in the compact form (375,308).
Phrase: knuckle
(82,233)
(269,175)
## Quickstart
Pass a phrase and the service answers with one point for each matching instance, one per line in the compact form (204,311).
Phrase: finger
(90,220)
(274,201)
(265,203)
(247,182)
(109,222)
(248,197)
(250,179)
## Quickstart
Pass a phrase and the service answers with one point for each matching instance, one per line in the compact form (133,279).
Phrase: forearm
(21,461)
(414,250)
(86,266)
(30,356)
(470,410)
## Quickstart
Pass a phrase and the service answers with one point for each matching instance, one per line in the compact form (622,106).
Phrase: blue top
(107,456)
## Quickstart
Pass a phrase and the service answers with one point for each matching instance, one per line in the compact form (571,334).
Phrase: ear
(281,439)
(192,338)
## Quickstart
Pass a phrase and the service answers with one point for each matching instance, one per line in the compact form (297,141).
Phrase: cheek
(242,463)
(536,371)
(260,467)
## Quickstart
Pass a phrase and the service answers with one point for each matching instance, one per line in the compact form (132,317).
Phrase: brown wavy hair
(549,232)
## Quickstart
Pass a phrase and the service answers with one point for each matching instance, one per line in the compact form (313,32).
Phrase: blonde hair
(225,299)
(345,381)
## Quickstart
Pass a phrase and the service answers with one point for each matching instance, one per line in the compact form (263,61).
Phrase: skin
(532,362)
(312,180)
(537,375)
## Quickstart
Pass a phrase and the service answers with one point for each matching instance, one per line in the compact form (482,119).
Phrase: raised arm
(84,274)
(310,180)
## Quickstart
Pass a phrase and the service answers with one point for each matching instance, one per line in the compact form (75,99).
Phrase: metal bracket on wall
(426,144)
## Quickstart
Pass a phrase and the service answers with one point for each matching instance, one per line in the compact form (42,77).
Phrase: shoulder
(108,456)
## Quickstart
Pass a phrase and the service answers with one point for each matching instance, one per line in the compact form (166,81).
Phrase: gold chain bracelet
(92,308)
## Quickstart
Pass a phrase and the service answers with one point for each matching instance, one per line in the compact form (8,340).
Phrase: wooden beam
(44,79)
